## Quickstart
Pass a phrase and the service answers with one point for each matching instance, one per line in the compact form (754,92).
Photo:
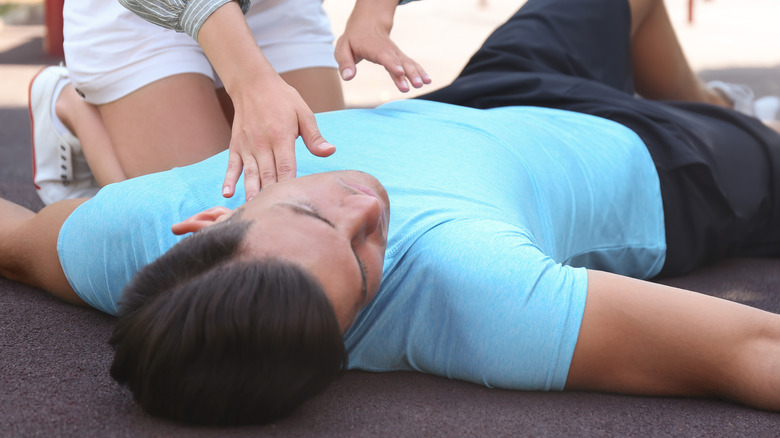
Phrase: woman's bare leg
(320,88)
(84,121)
(158,127)
(171,122)
(661,70)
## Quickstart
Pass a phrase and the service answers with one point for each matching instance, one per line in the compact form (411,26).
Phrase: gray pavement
(54,357)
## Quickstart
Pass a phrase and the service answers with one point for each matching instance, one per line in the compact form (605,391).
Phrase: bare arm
(28,246)
(645,338)
(269,114)
(367,36)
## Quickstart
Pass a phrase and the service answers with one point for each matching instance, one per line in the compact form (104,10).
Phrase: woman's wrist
(231,48)
(378,12)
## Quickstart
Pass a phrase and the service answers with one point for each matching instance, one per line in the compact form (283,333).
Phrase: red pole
(690,11)
(52,43)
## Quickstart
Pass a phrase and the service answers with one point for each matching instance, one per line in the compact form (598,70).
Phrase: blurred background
(732,40)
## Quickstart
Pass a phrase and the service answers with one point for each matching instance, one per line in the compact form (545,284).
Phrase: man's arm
(28,246)
(644,338)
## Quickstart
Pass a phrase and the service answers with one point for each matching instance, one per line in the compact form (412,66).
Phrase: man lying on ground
(508,257)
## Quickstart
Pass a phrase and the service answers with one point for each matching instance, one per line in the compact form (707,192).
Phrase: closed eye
(306,208)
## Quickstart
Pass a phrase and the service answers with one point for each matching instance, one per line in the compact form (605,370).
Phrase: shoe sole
(32,123)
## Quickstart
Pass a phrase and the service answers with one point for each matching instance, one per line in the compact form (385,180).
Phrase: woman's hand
(269,114)
(367,36)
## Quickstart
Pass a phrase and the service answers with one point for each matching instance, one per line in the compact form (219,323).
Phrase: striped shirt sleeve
(180,15)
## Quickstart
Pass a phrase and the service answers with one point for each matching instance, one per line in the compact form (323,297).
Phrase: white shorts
(111,52)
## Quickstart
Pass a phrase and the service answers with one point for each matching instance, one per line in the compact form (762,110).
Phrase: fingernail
(426,77)
(225,190)
(400,68)
(346,73)
(404,84)
(326,145)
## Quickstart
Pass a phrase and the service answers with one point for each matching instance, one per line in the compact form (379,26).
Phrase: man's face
(332,224)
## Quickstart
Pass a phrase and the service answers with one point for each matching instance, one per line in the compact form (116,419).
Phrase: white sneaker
(60,170)
(767,108)
(741,96)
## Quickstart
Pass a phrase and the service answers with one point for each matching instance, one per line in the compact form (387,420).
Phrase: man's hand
(367,36)
(269,116)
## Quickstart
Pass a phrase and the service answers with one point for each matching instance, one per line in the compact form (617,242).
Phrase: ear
(202,220)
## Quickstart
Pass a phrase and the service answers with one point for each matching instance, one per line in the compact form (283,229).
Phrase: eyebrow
(311,213)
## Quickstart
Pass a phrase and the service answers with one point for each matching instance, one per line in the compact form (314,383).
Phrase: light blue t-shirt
(493,212)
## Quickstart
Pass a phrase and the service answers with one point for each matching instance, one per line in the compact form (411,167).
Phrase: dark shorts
(718,169)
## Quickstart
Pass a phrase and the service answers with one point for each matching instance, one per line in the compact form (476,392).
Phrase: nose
(363,216)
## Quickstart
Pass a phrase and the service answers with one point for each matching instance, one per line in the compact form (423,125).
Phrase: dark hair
(205,337)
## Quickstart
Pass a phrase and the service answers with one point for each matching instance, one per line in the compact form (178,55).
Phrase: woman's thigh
(172,122)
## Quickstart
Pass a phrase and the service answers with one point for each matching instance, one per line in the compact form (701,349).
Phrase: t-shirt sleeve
(127,225)
(106,240)
(475,300)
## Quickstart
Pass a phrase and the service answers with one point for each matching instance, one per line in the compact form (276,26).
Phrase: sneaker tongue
(741,96)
